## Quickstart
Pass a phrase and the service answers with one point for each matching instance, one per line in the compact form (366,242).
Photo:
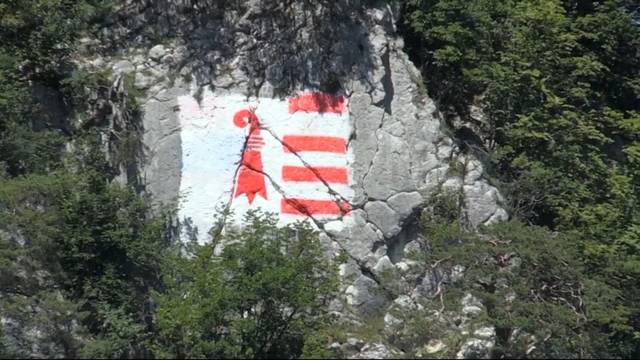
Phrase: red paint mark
(313,207)
(334,175)
(250,177)
(298,143)
(317,102)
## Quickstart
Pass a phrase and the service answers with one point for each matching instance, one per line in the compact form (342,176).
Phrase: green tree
(83,244)
(559,88)
(36,40)
(558,82)
(261,298)
(538,293)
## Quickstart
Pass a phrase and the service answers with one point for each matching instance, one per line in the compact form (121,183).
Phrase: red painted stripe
(334,175)
(297,143)
(313,207)
(317,102)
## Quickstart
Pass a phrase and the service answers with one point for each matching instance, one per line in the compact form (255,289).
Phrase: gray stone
(487,332)
(123,67)
(98,62)
(168,60)
(482,203)
(429,285)
(180,53)
(357,236)
(471,306)
(384,265)
(406,266)
(404,203)
(355,343)
(473,171)
(399,149)
(499,216)
(453,184)
(389,174)
(475,349)
(405,302)
(349,270)
(164,151)
(434,346)
(412,247)
(436,177)
(366,295)
(375,351)
(143,81)
(391,322)
(383,217)
(457,273)
(157,52)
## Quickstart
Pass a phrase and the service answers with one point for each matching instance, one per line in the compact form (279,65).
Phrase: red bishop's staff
(251,176)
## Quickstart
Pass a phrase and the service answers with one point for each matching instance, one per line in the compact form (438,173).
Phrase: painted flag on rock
(288,157)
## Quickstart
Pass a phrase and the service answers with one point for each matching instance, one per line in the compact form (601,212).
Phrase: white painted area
(212,149)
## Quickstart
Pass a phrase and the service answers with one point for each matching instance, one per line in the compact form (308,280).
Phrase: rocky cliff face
(399,152)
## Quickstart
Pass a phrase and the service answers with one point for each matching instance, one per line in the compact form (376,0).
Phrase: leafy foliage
(538,293)
(93,241)
(558,84)
(263,297)
(36,40)
(79,255)
(87,269)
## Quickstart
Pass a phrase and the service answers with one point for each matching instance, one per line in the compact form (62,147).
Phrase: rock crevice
(401,153)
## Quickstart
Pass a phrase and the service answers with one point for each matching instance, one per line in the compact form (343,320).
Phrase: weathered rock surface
(401,154)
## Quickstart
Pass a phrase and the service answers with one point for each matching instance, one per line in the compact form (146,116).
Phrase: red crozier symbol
(251,176)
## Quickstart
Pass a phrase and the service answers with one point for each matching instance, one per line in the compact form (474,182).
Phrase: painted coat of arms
(289,157)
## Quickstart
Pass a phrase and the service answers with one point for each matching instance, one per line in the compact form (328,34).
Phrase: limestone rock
(471,305)
(354,344)
(365,294)
(385,219)
(487,332)
(123,67)
(391,321)
(157,52)
(404,203)
(434,346)
(396,151)
(384,265)
(476,349)
(375,351)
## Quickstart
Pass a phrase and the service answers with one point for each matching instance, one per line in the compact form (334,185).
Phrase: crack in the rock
(227,208)
(375,134)
(155,97)
(387,82)
(364,269)
(353,136)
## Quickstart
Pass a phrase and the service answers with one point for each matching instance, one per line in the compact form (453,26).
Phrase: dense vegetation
(559,84)
(541,296)
(264,296)
(78,252)
(89,264)
(87,269)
